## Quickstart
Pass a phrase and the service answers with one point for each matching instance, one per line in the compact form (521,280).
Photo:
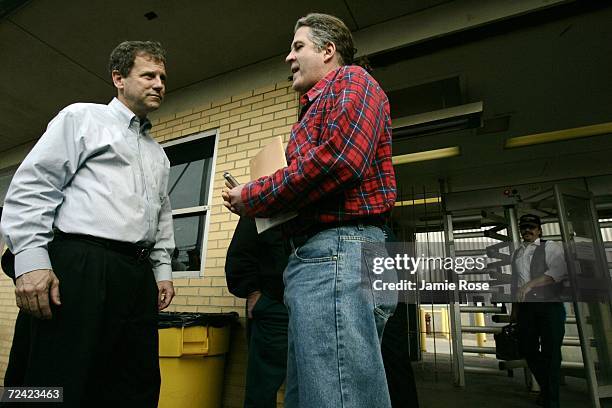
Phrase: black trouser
(267,364)
(101,345)
(396,358)
(541,329)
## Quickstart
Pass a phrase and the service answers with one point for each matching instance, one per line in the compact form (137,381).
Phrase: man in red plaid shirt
(340,181)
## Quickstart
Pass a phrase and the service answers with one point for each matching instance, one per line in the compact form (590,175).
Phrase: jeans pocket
(315,251)
(384,299)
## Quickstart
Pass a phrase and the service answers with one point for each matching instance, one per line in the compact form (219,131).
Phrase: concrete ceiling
(549,75)
(55,52)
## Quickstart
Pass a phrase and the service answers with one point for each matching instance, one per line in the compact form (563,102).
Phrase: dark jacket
(255,261)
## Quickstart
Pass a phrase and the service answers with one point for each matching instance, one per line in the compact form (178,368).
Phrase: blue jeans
(336,321)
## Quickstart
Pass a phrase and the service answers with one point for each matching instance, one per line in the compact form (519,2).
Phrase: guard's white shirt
(555,261)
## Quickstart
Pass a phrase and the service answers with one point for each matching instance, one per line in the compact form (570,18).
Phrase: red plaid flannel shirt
(339,156)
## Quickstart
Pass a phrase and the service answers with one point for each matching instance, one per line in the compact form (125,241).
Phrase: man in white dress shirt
(538,272)
(88,218)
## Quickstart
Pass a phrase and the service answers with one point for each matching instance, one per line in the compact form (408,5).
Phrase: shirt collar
(536,243)
(126,116)
(314,92)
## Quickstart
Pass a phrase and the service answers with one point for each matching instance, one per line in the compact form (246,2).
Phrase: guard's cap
(530,220)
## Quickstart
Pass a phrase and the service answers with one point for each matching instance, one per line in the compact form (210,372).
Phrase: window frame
(201,209)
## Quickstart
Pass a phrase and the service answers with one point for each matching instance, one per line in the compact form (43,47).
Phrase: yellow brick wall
(8,314)
(245,124)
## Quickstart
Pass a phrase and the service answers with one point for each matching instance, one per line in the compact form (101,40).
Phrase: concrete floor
(436,390)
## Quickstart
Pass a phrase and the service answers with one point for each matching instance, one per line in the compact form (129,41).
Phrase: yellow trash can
(192,348)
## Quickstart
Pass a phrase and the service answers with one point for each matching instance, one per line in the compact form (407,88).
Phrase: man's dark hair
(325,29)
(123,56)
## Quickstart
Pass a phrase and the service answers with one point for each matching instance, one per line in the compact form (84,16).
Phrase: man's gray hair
(325,29)
(123,56)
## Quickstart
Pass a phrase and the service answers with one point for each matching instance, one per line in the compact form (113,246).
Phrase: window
(5,179)
(189,187)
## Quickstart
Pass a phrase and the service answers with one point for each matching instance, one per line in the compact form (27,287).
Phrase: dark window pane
(188,238)
(188,184)
(191,151)
(5,180)
(190,167)
(190,177)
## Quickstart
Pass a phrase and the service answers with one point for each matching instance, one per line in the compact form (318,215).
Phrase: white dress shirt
(555,260)
(95,171)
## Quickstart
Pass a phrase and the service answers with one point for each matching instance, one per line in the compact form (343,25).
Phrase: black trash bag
(187,319)
(507,343)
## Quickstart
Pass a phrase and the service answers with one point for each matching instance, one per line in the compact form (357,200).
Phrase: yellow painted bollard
(422,330)
(444,326)
(481,338)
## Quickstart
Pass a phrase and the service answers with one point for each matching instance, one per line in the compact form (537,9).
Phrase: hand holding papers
(232,194)
(266,162)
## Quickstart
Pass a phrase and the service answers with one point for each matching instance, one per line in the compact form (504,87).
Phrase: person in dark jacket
(395,343)
(254,270)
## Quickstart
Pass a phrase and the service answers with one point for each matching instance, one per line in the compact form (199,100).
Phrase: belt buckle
(142,254)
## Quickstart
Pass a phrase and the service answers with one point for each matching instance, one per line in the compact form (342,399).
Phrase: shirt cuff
(163,272)
(30,260)
(244,196)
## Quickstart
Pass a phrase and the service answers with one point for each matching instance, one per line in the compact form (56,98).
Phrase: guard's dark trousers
(541,330)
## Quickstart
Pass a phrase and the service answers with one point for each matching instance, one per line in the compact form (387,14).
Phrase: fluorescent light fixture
(466,116)
(421,201)
(559,135)
(426,155)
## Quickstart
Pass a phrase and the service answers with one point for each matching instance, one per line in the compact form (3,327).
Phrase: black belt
(301,239)
(141,253)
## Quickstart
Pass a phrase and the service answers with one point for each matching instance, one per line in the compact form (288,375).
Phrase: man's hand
(522,292)
(32,291)
(252,298)
(542,280)
(232,198)
(165,294)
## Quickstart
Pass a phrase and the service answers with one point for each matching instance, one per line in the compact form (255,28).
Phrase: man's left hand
(252,298)
(522,293)
(165,294)
(232,198)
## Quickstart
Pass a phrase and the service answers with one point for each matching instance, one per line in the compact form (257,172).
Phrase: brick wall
(245,124)
(8,314)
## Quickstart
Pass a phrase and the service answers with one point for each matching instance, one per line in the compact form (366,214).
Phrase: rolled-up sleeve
(555,260)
